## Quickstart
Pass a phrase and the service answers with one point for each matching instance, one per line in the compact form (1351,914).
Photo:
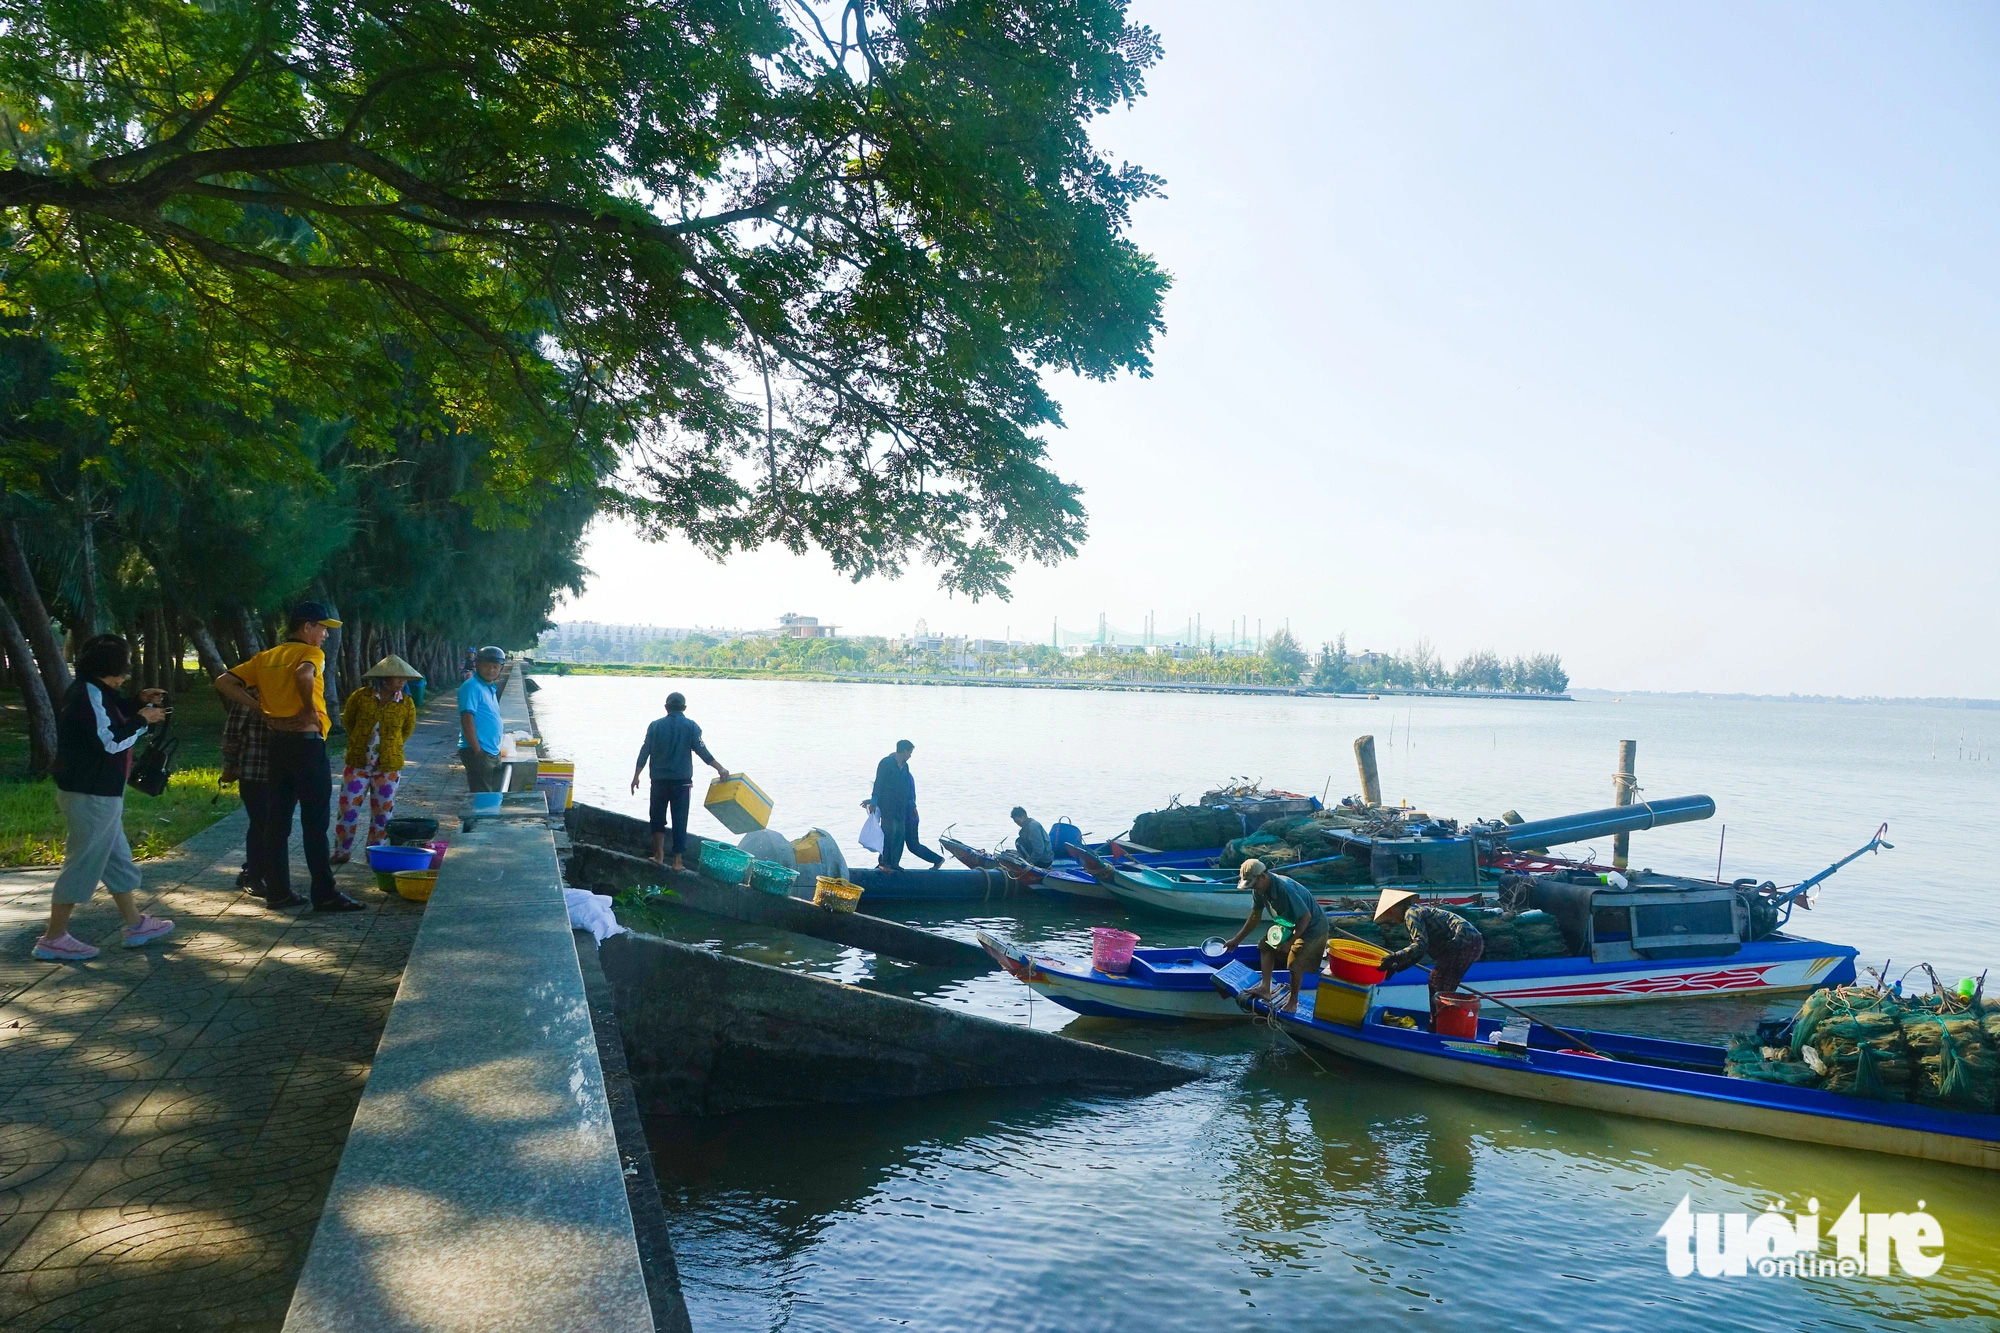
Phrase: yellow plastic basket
(416,885)
(836,895)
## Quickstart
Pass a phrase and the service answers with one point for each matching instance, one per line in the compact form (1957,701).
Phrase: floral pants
(378,792)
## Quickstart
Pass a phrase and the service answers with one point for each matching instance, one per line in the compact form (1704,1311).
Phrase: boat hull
(1797,1115)
(1174,983)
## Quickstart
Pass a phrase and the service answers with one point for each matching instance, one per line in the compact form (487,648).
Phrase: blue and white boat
(1639,1076)
(1176,983)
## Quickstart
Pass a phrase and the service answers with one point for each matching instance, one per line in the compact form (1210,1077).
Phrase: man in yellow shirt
(291,693)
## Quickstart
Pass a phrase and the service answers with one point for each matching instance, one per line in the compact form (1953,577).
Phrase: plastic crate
(773,877)
(738,803)
(720,861)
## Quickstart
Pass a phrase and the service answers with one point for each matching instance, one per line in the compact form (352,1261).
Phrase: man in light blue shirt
(479,722)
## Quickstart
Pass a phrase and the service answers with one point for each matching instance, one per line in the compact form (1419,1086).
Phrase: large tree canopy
(804,266)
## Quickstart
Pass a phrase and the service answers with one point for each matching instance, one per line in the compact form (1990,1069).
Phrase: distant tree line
(1282,662)
(1422,668)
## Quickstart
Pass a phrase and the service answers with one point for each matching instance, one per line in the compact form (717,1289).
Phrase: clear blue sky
(1665,337)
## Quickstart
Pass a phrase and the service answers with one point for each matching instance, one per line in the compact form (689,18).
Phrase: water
(1276,1190)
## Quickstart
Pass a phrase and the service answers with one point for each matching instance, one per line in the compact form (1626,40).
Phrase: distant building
(791,625)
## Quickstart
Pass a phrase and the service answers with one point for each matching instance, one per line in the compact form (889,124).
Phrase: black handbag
(152,768)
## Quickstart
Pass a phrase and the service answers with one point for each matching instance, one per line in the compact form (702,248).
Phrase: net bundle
(1528,936)
(1940,1049)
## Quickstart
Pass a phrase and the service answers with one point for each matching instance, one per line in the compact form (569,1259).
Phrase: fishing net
(1338,873)
(1767,1064)
(1529,936)
(1260,845)
(1860,1038)
(1938,1049)
(1186,828)
(1956,1068)
(1808,1019)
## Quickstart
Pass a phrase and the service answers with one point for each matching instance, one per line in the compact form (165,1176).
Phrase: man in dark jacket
(94,740)
(670,746)
(895,798)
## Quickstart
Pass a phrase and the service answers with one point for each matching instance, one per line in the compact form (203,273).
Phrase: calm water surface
(1278,1191)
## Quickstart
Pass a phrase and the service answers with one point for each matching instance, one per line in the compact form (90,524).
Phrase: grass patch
(31,828)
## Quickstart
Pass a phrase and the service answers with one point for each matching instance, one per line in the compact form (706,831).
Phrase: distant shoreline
(1973,704)
(675,670)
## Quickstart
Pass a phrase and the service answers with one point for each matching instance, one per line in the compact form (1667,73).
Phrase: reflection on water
(1284,1189)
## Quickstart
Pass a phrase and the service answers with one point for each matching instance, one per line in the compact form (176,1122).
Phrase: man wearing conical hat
(379,717)
(1453,943)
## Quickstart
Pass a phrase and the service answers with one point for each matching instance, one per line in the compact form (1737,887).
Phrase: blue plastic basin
(386,858)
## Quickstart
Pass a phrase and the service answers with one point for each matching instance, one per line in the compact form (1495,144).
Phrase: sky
(1666,338)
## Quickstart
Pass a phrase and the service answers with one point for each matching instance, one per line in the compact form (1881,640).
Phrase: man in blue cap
(479,721)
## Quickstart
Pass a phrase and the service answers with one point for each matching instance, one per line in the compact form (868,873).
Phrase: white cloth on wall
(591,912)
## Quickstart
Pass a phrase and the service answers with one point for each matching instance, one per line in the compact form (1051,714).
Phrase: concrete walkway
(171,1117)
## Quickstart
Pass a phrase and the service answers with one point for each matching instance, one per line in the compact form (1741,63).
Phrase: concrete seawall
(482,1185)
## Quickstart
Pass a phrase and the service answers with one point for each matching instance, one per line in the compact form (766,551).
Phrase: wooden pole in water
(1371,778)
(1622,788)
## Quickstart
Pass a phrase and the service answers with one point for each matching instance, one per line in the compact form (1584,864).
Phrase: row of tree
(1421,668)
(1283,662)
(201,562)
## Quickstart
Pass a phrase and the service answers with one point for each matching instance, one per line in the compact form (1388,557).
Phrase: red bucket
(1457,1016)
(1111,950)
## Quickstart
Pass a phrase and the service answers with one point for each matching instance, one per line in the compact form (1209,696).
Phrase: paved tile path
(171,1117)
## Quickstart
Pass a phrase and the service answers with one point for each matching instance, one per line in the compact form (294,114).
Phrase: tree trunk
(332,682)
(205,649)
(246,630)
(32,611)
(34,694)
(92,611)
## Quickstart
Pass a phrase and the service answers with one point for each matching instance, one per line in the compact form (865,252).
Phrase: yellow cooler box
(738,803)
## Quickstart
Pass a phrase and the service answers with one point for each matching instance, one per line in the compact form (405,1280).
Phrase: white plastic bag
(871,832)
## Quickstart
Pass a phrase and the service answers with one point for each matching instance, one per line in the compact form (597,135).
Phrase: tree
(1480,670)
(1287,661)
(807,278)
(1334,670)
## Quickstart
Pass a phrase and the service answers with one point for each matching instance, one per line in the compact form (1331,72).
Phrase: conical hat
(1390,900)
(392,665)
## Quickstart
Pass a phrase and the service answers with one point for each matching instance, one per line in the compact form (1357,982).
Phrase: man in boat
(670,746)
(1033,844)
(894,798)
(1298,935)
(1453,943)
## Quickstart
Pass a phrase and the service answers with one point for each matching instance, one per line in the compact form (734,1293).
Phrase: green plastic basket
(773,877)
(720,861)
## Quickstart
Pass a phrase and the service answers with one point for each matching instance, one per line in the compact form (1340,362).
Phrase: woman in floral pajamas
(379,717)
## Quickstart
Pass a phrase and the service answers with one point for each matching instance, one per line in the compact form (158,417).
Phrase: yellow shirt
(271,671)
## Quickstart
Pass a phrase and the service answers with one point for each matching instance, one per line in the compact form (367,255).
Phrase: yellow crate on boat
(1338,1002)
(738,803)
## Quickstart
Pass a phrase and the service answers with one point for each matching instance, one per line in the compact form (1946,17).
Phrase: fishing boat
(1646,1077)
(1175,983)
